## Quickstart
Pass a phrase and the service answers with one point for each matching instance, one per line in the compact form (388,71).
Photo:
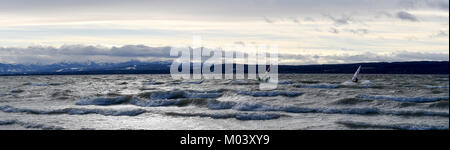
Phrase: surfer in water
(355,76)
(266,77)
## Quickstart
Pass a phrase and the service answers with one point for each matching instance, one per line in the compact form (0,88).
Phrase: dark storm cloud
(403,15)
(76,53)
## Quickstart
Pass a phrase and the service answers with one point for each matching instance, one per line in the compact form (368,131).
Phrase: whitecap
(30,125)
(152,83)
(103,101)
(404,126)
(245,106)
(362,84)
(421,99)
(161,95)
(74,111)
(238,116)
(214,104)
(436,87)
(192,82)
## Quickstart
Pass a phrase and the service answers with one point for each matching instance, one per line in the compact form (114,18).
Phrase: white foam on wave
(362,84)
(152,83)
(353,124)
(154,103)
(436,87)
(402,99)
(161,95)
(214,104)
(43,84)
(245,106)
(30,125)
(192,82)
(256,116)
(238,116)
(74,111)
(103,101)
(270,93)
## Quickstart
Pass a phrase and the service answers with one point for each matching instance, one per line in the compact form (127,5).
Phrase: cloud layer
(80,53)
(325,31)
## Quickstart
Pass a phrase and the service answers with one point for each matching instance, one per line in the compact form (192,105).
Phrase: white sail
(266,74)
(355,76)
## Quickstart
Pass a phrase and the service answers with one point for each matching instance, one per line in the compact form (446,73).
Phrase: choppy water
(302,101)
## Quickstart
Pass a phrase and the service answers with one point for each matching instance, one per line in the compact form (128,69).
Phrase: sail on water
(355,76)
(266,77)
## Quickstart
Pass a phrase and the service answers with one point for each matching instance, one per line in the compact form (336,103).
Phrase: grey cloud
(216,8)
(366,57)
(424,4)
(406,16)
(343,20)
(80,53)
(124,51)
(421,56)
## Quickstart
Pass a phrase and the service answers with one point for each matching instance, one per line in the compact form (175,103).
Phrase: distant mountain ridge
(163,67)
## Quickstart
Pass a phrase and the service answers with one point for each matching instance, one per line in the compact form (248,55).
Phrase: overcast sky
(306,32)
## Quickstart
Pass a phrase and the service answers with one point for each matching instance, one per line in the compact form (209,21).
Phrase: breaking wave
(440,104)
(155,99)
(161,95)
(74,111)
(349,101)
(362,84)
(167,102)
(215,104)
(238,116)
(103,101)
(43,84)
(30,125)
(295,109)
(436,87)
(192,82)
(270,93)
(152,83)
(352,124)
(402,99)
